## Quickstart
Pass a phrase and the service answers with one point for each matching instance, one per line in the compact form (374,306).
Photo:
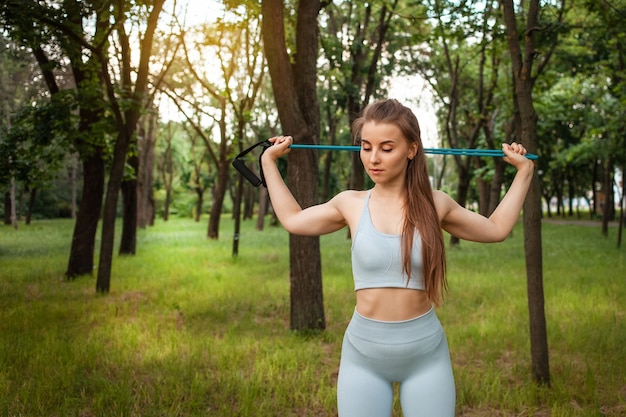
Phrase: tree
(165,166)
(358,44)
(79,34)
(15,94)
(610,54)
(145,175)
(294,86)
(36,143)
(135,96)
(54,49)
(526,130)
(249,62)
(198,178)
(218,42)
(464,66)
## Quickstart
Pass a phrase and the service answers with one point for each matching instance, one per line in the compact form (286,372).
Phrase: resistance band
(256,181)
(432,151)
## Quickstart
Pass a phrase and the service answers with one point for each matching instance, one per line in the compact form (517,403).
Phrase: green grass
(188,330)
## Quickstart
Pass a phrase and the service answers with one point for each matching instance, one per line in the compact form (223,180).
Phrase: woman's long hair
(419,211)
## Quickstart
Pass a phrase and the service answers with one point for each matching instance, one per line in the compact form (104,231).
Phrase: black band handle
(245,171)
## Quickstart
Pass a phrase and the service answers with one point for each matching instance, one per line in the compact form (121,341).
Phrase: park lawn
(190,330)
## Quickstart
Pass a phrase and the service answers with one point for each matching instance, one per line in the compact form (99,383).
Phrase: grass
(189,330)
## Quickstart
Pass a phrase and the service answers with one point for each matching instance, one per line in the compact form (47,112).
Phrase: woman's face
(385,152)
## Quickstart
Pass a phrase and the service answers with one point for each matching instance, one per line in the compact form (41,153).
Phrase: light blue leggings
(414,353)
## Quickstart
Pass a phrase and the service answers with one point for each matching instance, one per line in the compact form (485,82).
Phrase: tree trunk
(263,205)
(145,174)
(237,214)
(31,204)
(484,188)
(74,183)
(7,208)
(103,281)
(250,200)
(526,131)
(222,163)
(219,192)
(199,203)
(496,186)
(534,276)
(608,210)
(461,193)
(13,210)
(128,242)
(294,87)
(86,225)
(126,127)
(622,195)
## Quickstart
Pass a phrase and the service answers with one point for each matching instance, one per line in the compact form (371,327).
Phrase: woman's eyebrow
(385,142)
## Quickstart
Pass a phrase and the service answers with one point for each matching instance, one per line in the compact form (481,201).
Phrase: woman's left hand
(515,154)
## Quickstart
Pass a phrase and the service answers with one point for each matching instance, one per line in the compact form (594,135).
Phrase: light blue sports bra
(377,257)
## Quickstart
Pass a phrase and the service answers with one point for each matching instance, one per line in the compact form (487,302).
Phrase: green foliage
(37,141)
(188,330)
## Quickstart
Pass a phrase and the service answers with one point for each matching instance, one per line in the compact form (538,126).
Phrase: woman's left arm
(468,225)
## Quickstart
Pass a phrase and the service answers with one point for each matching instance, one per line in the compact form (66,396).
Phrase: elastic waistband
(405,331)
(432,310)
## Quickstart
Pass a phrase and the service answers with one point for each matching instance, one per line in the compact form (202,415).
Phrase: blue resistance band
(432,151)
(256,180)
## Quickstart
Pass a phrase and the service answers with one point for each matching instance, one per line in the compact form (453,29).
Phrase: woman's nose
(374,156)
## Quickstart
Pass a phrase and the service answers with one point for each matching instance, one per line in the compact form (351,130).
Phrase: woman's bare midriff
(391,304)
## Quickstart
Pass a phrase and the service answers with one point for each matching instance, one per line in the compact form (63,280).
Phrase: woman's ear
(413,147)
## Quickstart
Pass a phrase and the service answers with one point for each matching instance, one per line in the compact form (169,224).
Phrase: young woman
(398,261)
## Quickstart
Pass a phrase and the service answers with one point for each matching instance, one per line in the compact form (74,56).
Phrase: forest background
(102,99)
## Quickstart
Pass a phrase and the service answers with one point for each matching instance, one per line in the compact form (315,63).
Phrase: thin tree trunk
(199,203)
(81,260)
(31,204)
(526,132)
(7,208)
(237,214)
(145,194)
(484,188)
(13,212)
(594,191)
(223,174)
(496,186)
(534,275)
(263,205)
(250,199)
(74,183)
(128,242)
(126,128)
(622,196)
(105,264)
(294,87)
(219,192)
(608,210)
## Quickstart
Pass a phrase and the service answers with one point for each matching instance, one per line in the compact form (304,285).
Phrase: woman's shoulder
(351,196)
(443,203)
(440,196)
(349,201)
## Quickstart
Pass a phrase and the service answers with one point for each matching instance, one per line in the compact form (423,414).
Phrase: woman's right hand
(280,147)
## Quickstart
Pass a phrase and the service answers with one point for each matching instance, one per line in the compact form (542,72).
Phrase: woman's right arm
(311,221)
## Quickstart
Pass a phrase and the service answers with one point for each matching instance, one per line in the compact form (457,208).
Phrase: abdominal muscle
(391,304)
